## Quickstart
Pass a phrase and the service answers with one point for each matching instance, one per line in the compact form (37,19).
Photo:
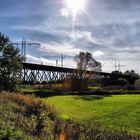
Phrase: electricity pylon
(24,43)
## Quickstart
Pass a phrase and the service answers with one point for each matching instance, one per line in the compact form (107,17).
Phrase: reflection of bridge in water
(36,73)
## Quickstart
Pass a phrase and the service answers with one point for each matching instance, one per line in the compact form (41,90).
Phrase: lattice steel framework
(39,76)
(34,73)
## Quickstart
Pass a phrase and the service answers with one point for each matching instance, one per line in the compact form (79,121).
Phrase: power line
(24,43)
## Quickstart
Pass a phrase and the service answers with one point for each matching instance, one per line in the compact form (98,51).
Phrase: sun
(75,5)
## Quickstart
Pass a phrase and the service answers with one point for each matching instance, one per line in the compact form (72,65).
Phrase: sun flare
(75,5)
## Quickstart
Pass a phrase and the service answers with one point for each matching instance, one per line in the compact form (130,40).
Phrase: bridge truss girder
(35,73)
(39,76)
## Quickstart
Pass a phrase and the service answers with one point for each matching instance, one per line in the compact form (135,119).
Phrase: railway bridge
(37,73)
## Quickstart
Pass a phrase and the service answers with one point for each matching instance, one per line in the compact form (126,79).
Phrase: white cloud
(58,48)
(98,53)
(43,61)
(85,35)
(39,60)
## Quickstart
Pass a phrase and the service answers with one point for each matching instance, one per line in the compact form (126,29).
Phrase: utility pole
(56,63)
(24,45)
(115,66)
(118,66)
(62,59)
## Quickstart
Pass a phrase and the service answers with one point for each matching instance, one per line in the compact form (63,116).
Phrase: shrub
(122,82)
(25,114)
(70,130)
(137,84)
(75,84)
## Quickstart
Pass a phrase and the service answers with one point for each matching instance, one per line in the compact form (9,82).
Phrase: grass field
(118,111)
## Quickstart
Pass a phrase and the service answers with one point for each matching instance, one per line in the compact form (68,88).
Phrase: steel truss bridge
(36,73)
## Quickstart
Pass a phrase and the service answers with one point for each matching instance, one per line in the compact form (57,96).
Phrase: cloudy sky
(109,29)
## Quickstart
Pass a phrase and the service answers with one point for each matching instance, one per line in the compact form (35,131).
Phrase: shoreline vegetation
(48,92)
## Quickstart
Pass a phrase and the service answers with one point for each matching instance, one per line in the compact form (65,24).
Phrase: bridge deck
(47,68)
(61,69)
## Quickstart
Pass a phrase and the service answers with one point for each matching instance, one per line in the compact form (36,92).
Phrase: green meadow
(114,111)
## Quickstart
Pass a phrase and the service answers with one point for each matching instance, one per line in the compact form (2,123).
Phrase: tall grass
(26,114)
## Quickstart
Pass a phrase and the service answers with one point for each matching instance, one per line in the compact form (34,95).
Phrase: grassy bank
(24,117)
(118,111)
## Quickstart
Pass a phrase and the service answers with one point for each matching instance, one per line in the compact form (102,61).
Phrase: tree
(131,73)
(132,76)
(117,72)
(85,61)
(10,65)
